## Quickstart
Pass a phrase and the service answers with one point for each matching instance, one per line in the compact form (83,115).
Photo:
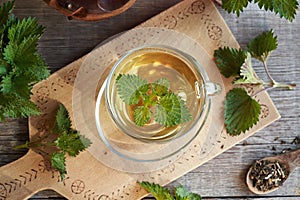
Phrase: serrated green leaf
(3,68)
(247,73)
(182,194)
(16,84)
(5,10)
(62,121)
(235,6)
(23,29)
(86,142)
(160,114)
(72,143)
(229,60)
(10,106)
(241,111)
(161,87)
(171,106)
(158,192)
(262,45)
(172,111)
(22,55)
(39,70)
(285,8)
(131,88)
(4,37)
(58,161)
(142,115)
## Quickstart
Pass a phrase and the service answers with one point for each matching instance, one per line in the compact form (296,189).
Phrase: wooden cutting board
(87,177)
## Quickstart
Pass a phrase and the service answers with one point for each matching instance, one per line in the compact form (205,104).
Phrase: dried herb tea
(267,175)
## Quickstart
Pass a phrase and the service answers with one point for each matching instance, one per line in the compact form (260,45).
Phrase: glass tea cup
(182,81)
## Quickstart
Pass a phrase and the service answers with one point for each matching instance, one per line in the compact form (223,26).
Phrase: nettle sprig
(21,66)
(241,109)
(65,141)
(161,193)
(285,8)
(152,101)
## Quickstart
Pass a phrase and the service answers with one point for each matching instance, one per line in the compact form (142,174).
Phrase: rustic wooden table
(224,176)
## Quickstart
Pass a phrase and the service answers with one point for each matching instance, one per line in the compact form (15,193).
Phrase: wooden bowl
(87,10)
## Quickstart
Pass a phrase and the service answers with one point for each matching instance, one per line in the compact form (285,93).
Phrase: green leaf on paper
(229,60)
(62,121)
(58,161)
(72,143)
(241,111)
(247,73)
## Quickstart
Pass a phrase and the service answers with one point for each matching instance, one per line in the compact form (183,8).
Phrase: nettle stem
(272,81)
(272,84)
(34,144)
(37,143)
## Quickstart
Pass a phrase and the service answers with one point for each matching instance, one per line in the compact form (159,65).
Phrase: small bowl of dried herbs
(268,174)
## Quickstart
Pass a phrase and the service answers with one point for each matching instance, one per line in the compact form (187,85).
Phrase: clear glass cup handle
(212,88)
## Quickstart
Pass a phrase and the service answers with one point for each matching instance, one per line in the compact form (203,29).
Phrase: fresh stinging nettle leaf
(235,6)
(21,66)
(161,193)
(174,109)
(131,87)
(261,46)
(68,141)
(247,73)
(62,121)
(5,10)
(241,111)
(72,143)
(142,115)
(285,8)
(170,109)
(229,60)
(58,161)
(182,193)
(158,192)
(161,87)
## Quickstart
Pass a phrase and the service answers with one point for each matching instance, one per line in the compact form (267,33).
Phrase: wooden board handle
(26,176)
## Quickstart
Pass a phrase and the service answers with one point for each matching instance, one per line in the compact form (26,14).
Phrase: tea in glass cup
(157,93)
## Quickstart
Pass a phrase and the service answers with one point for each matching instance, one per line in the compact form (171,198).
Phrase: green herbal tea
(155,71)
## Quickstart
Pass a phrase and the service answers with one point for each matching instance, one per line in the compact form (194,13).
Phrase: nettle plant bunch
(21,66)
(61,140)
(241,109)
(284,8)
